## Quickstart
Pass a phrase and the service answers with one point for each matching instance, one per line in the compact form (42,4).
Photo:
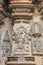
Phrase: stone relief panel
(37,45)
(5,35)
(36,28)
(37,40)
(6,45)
(21,38)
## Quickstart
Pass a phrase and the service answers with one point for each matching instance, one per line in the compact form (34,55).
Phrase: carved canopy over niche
(21,38)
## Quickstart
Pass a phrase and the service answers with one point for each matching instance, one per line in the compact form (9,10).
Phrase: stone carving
(21,58)
(36,28)
(21,38)
(3,60)
(6,45)
(37,45)
(1,16)
(1,51)
(37,39)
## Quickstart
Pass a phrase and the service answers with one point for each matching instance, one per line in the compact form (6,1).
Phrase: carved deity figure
(21,38)
(37,38)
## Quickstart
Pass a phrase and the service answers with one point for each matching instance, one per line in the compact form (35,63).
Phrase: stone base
(16,61)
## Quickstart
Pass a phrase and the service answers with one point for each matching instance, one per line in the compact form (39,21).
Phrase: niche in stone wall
(21,38)
(6,44)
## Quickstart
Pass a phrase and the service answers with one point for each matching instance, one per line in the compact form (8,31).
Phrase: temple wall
(7,29)
(21,33)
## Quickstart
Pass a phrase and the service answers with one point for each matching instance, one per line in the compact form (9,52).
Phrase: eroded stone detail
(36,28)
(37,45)
(6,45)
(3,60)
(21,38)
(1,51)
(37,39)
